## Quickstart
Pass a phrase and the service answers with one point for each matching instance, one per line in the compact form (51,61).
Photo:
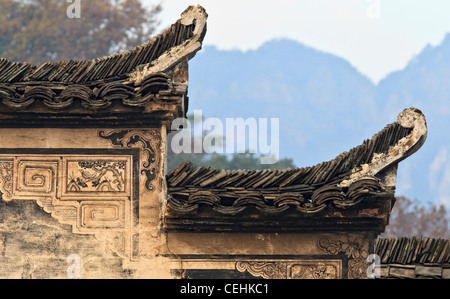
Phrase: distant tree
(37,31)
(220,161)
(410,218)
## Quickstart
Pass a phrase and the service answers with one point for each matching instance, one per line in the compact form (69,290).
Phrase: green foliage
(37,31)
(221,161)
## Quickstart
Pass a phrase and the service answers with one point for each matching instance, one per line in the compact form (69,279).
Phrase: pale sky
(375,36)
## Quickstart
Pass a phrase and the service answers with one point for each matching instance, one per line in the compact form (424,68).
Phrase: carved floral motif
(355,247)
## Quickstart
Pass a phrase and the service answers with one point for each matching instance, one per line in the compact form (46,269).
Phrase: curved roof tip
(193,15)
(133,76)
(410,118)
(181,40)
(193,12)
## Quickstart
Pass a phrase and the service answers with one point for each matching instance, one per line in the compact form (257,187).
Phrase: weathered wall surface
(271,255)
(99,194)
(33,245)
(92,193)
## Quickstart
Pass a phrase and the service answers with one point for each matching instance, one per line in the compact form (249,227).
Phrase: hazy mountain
(425,84)
(325,106)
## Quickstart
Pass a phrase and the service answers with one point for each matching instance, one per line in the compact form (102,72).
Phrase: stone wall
(271,256)
(33,245)
(92,193)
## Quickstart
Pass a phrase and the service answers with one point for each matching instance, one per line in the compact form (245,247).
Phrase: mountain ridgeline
(326,106)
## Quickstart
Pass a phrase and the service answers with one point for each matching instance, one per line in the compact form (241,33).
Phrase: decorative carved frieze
(85,191)
(267,270)
(293,269)
(96,176)
(94,191)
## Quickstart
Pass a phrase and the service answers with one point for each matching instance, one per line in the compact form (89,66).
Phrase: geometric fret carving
(86,191)
(96,191)
(36,177)
(92,193)
(102,214)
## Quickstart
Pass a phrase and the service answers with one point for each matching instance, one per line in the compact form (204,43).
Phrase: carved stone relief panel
(293,269)
(95,190)
(263,269)
(355,247)
(102,215)
(35,176)
(93,186)
(94,177)
(86,191)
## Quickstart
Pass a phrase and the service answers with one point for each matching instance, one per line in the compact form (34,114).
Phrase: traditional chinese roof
(148,83)
(359,184)
(413,257)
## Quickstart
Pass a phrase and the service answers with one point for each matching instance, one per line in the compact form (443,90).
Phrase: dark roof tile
(137,73)
(342,182)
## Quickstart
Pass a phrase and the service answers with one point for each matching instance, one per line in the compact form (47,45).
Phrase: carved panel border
(96,191)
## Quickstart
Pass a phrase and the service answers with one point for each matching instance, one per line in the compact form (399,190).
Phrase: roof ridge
(347,163)
(113,65)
